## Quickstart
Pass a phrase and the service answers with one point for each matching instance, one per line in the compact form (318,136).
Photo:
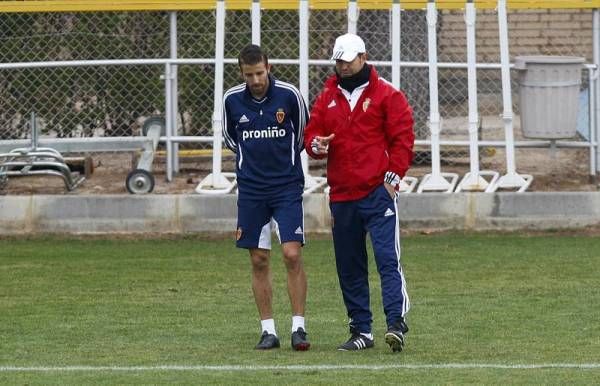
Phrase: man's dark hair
(252,54)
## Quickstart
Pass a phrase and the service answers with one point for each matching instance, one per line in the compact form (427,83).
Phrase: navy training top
(267,137)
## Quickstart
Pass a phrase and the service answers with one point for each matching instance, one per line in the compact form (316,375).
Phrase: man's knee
(260,259)
(292,255)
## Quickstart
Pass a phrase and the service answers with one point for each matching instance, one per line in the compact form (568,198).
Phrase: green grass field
(486,308)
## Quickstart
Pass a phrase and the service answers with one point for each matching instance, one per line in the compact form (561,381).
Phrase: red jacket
(376,137)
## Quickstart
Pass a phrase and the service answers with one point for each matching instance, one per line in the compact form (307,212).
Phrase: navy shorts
(283,213)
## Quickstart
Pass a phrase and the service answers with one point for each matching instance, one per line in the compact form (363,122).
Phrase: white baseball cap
(347,46)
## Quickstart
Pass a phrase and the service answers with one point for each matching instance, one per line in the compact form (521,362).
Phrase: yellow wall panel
(180,5)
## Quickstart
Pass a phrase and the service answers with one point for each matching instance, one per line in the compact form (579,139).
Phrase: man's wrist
(391,178)
(314,145)
(317,147)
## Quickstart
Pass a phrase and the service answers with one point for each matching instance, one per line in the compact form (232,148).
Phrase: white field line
(442,366)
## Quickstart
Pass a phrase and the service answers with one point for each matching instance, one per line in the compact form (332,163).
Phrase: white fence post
(174,84)
(396,43)
(595,91)
(352,16)
(216,183)
(473,180)
(255,15)
(310,183)
(511,179)
(407,184)
(168,120)
(435,181)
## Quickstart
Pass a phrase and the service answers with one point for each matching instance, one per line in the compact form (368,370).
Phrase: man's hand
(320,145)
(390,189)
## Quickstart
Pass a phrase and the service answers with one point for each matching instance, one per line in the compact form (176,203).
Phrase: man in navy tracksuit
(364,127)
(263,123)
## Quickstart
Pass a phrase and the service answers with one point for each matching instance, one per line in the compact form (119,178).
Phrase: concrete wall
(195,213)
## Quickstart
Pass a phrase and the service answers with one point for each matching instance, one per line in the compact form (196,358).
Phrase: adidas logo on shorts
(299,231)
(388,213)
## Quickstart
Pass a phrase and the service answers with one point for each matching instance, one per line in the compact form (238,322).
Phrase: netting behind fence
(114,100)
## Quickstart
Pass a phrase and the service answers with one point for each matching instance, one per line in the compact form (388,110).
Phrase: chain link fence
(114,100)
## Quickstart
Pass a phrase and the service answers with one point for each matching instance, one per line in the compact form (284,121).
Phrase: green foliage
(476,299)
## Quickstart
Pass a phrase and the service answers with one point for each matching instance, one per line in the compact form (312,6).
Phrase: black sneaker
(357,342)
(299,341)
(395,335)
(267,341)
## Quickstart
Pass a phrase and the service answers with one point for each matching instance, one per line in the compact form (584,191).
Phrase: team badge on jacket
(366,104)
(280,115)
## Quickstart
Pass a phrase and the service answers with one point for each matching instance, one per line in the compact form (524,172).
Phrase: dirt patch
(566,170)
(110,172)
(562,169)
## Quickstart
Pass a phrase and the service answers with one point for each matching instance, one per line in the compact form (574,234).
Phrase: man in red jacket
(364,126)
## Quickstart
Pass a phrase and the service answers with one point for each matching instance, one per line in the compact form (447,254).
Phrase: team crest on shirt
(366,104)
(280,115)
(238,233)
